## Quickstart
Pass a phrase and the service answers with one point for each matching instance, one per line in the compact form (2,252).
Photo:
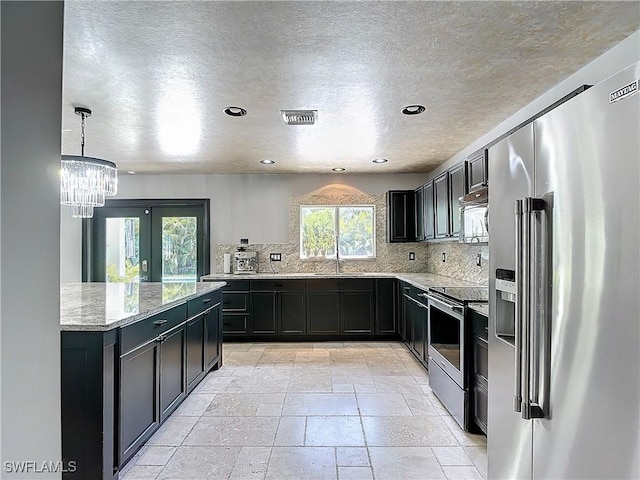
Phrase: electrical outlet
(275,257)
(412,255)
(479,260)
(444,257)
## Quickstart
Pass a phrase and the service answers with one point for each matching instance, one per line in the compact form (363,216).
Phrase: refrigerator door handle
(517,382)
(526,307)
(530,389)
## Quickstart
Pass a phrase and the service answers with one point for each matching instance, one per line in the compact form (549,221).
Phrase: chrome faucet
(337,255)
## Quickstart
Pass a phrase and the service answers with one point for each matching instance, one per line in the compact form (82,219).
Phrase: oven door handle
(456,309)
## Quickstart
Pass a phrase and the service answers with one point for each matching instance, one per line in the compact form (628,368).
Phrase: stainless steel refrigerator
(564,362)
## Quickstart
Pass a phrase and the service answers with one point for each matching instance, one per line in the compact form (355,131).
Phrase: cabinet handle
(486,329)
(278,284)
(206,300)
(160,338)
(160,322)
(405,288)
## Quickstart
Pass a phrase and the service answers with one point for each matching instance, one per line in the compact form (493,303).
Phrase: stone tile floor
(347,410)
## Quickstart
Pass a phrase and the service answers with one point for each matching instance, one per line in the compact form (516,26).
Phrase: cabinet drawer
(201,303)
(236,286)
(481,357)
(480,325)
(414,293)
(234,324)
(341,284)
(237,302)
(277,285)
(140,332)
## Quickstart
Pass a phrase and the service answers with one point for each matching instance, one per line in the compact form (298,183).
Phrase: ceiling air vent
(299,117)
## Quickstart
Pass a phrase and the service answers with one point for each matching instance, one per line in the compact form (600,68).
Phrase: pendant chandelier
(86,181)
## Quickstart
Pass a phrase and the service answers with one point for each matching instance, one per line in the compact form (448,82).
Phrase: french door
(148,241)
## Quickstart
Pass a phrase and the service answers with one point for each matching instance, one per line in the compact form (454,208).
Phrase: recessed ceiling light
(131,172)
(235,111)
(380,160)
(413,109)
(267,162)
(338,169)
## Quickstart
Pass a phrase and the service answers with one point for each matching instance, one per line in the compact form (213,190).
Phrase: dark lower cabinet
(195,351)
(213,337)
(139,388)
(480,370)
(118,386)
(89,394)
(356,309)
(263,313)
(386,306)
(172,386)
(323,313)
(291,312)
(415,316)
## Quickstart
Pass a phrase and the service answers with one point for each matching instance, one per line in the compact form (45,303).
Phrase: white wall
(242,206)
(31,98)
(617,58)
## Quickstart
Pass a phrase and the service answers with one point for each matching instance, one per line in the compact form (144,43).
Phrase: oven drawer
(454,398)
(446,366)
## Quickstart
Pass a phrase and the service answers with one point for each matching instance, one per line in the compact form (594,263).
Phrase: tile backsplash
(460,261)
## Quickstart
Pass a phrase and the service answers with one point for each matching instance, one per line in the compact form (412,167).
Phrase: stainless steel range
(448,346)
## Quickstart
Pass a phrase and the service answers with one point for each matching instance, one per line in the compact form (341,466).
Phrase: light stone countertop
(105,306)
(482,308)
(420,280)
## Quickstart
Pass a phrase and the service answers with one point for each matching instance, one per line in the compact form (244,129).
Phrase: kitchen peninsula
(131,353)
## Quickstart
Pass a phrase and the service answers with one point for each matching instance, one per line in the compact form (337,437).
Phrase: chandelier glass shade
(85,182)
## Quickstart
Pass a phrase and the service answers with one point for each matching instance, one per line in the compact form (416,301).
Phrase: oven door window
(445,335)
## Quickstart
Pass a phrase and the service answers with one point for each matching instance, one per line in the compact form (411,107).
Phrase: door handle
(529,408)
(517,381)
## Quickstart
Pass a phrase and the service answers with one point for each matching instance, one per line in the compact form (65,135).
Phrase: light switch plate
(412,255)
(275,257)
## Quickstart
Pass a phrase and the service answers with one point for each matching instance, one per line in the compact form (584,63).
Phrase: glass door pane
(122,262)
(121,245)
(177,243)
(179,249)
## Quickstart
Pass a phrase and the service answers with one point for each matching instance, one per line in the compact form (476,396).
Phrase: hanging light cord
(82,135)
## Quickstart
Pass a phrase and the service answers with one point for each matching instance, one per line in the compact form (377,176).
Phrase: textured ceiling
(159,74)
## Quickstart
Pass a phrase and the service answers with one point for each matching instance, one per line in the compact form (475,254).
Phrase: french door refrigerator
(564,362)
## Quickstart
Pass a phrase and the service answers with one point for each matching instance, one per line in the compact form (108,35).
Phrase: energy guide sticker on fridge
(623,92)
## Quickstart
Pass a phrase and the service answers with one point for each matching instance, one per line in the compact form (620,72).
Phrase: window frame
(336,227)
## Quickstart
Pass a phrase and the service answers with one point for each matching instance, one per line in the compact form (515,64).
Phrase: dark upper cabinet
(419,214)
(429,212)
(441,202)
(457,189)
(478,170)
(401,216)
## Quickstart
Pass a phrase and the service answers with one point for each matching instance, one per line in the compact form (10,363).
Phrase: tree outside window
(354,226)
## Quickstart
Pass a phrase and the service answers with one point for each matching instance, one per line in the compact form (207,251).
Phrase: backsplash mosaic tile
(460,261)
